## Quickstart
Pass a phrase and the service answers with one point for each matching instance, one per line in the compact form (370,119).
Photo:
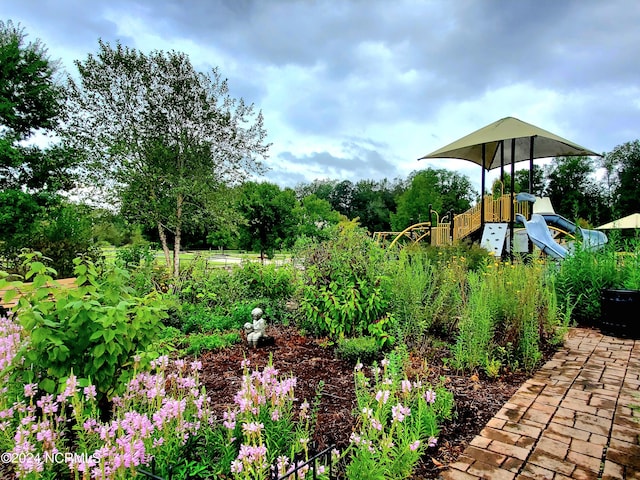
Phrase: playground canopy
(488,147)
(506,142)
(628,222)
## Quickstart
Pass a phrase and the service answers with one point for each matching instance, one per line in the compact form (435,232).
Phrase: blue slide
(540,235)
(592,239)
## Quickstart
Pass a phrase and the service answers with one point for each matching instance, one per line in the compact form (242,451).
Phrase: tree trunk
(165,245)
(176,243)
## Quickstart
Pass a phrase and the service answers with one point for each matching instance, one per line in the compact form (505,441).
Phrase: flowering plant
(264,428)
(160,411)
(397,421)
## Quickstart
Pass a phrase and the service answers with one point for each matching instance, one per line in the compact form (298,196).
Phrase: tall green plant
(476,329)
(92,330)
(511,312)
(582,276)
(344,292)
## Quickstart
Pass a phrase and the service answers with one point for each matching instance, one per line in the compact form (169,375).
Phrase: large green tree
(413,204)
(315,216)
(268,211)
(574,191)
(623,165)
(444,190)
(30,103)
(372,203)
(165,134)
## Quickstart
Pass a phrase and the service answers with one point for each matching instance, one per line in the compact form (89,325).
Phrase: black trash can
(620,312)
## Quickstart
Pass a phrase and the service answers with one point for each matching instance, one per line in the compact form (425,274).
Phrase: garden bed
(477,398)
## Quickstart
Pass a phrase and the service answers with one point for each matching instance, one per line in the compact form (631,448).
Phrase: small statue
(255,330)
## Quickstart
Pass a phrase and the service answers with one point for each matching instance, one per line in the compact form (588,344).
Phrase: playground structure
(541,225)
(452,228)
(504,142)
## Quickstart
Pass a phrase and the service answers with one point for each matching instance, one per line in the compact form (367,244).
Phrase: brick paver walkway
(572,420)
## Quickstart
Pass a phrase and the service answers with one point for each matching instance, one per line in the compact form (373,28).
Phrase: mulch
(311,361)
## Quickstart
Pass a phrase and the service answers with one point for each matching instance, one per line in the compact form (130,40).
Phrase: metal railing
(301,470)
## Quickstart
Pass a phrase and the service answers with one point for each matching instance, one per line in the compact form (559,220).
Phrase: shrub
(132,256)
(581,277)
(92,330)
(358,349)
(199,343)
(344,292)
(220,291)
(511,313)
(427,295)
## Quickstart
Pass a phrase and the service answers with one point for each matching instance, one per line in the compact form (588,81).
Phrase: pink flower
(236,466)
(375,423)
(414,446)
(383,396)
(399,412)
(253,427)
(30,390)
(430,396)
(433,441)
(90,392)
(406,386)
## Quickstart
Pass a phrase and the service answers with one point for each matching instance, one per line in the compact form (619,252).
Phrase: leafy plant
(358,349)
(343,292)
(92,330)
(199,343)
(397,421)
(581,277)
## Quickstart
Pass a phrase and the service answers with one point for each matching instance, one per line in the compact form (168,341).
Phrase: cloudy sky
(354,89)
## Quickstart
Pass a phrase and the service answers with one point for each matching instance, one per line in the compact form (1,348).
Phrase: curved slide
(540,235)
(590,238)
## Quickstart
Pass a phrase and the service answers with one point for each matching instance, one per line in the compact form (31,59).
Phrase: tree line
(176,157)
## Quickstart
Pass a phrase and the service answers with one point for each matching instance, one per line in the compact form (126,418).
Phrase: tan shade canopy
(630,221)
(545,144)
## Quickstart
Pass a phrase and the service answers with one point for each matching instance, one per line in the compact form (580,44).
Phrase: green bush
(132,256)
(93,330)
(62,235)
(344,292)
(196,344)
(511,312)
(266,286)
(427,295)
(363,349)
(581,277)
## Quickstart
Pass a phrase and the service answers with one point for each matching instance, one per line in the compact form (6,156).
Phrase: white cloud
(360,89)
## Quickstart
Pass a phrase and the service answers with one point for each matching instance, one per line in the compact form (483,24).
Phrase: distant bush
(363,349)
(221,293)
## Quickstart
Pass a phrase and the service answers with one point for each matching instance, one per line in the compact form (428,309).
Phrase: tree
(573,191)
(268,212)
(624,165)
(341,198)
(413,204)
(315,216)
(444,190)
(165,134)
(30,102)
(456,191)
(521,182)
(373,202)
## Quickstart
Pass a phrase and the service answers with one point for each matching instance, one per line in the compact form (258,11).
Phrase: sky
(360,89)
